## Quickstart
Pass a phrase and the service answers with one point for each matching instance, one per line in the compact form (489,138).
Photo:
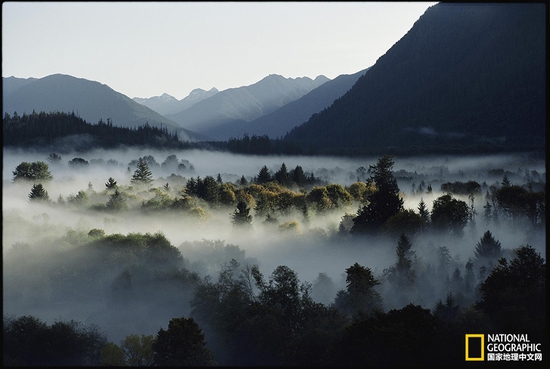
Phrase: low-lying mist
(44,244)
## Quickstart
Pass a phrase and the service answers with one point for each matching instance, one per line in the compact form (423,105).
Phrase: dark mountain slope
(282,120)
(90,100)
(464,75)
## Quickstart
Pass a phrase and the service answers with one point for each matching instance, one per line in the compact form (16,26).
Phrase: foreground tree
(27,341)
(182,344)
(513,295)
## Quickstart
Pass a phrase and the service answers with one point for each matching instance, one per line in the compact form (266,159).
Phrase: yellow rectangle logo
(475,347)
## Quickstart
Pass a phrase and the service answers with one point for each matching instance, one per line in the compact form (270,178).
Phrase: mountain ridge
(91,100)
(218,115)
(281,121)
(166,104)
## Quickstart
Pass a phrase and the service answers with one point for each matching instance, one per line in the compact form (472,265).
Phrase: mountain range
(464,76)
(282,120)
(167,104)
(90,100)
(221,115)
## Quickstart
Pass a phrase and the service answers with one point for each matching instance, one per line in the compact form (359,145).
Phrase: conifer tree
(423,210)
(264,176)
(143,174)
(383,203)
(241,216)
(116,202)
(282,176)
(488,247)
(38,193)
(111,183)
(402,273)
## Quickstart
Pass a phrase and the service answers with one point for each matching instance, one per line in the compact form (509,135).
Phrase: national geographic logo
(475,347)
(501,347)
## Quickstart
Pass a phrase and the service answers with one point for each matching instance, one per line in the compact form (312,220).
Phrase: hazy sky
(144,49)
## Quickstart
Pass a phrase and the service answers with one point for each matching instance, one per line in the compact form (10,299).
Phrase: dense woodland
(67,131)
(225,311)
(63,132)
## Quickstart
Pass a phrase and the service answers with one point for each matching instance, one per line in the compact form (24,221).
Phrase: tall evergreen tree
(282,176)
(263,176)
(143,174)
(423,210)
(298,176)
(383,203)
(488,247)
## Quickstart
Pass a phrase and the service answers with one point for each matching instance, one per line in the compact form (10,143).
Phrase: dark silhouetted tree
(383,203)
(360,298)
(488,247)
(450,215)
(423,210)
(447,310)
(282,176)
(402,274)
(513,295)
(264,176)
(182,344)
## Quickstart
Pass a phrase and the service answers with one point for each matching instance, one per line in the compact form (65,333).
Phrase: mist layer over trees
(270,260)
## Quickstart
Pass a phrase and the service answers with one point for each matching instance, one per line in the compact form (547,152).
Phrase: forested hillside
(61,130)
(465,76)
(90,100)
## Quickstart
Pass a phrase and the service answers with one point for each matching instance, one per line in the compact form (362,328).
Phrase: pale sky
(145,49)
